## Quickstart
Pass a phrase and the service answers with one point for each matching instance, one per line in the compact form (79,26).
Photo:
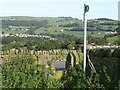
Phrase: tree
(101,41)
(75,78)
(79,41)
(22,72)
(17,45)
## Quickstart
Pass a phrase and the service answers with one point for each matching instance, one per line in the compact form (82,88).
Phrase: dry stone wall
(107,63)
(43,55)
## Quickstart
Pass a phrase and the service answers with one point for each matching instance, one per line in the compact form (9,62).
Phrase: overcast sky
(55,8)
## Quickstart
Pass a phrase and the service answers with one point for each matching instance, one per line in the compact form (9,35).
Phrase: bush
(75,78)
(22,72)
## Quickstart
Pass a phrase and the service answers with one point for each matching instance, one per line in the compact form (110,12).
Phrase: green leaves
(22,72)
(77,79)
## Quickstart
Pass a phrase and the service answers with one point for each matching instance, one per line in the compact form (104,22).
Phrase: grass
(15,32)
(18,27)
(51,29)
(109,27)
(112,39)
(54,21)
(56,30)
(58,74)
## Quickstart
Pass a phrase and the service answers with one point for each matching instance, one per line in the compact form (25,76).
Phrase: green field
(57,30)
(14,32)
(55,25)
(112,39)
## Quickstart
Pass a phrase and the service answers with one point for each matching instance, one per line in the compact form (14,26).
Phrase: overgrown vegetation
(75,78)
(22,72)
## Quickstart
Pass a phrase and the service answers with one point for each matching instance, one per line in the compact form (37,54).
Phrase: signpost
(86,9)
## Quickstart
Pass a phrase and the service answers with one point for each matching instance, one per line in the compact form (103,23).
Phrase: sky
(58,8)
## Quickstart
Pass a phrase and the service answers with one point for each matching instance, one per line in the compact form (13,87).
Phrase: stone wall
(43,55)
(107,63)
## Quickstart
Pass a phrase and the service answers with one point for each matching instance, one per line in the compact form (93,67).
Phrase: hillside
(57,25)
(47,52)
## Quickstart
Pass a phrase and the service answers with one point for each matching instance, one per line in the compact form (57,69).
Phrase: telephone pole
(86,9)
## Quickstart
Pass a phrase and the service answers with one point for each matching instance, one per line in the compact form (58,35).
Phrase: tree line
(60,41)
(6,23)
